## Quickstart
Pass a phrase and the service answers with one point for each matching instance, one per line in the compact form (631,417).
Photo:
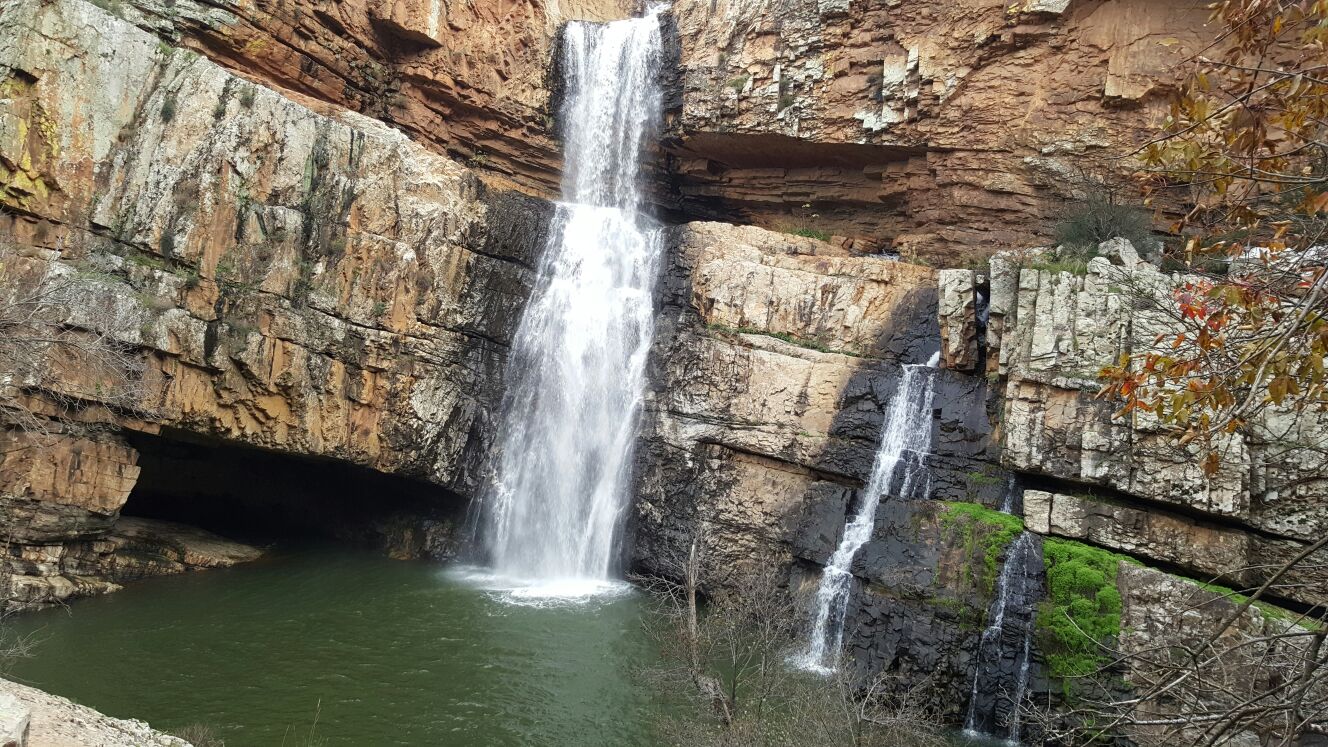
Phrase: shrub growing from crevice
(1082,612)
(810,233)
(1099,217)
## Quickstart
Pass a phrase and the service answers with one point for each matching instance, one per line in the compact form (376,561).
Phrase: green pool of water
(380,652)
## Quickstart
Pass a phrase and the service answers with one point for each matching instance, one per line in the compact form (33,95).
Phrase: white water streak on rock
(906,435)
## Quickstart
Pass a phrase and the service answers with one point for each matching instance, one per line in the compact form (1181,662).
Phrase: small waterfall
(1000,680)
(555,505)
(1013,501)
(905,437)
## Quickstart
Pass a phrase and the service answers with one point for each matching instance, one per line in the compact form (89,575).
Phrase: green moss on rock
(992,529)
(1082,612)
(1267,610)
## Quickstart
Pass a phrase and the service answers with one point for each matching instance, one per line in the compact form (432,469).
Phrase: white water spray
(905,437)
(1011,615)
(555,507)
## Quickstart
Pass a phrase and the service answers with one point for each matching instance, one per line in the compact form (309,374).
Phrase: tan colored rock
(760,421)
(468,79)
(56,486)
(1163,615)
(1057,333)
(307,282)
(59,722)
(747,278)
(1213,552)
(939,129)
(134,548)
(301,282)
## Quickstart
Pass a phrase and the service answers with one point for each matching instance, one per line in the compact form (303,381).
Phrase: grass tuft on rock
(810,233)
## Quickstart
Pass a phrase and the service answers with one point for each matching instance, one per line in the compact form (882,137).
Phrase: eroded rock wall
(773,366)
(465,79)
(1137,489)
(939,129)
(303,280)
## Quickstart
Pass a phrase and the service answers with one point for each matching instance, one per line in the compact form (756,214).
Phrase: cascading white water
(1015,590)
(905,437)
(554,509)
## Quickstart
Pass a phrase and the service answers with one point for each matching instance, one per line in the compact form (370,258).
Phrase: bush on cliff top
(1082,612)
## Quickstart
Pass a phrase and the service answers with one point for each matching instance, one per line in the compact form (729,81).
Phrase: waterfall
(905,437)
(1013,500)
(554,508)
(1000,679)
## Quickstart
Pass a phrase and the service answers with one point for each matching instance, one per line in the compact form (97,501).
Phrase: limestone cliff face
(311,223)
(466,79)
(306,281)
(764,418)
(935,128)
(1268,499)
(774,362)
(940,130)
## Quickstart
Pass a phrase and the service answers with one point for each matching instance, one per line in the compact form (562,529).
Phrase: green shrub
(982,478)
(1073,260)
(810,233)
(1084,224)
(168,108)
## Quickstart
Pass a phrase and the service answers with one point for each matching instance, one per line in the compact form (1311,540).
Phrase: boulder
(15,718)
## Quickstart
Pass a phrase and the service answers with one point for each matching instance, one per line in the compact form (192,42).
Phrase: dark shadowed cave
(265,497)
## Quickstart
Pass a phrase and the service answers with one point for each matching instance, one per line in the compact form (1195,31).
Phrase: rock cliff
(940,130)
(313,228)
(299,280)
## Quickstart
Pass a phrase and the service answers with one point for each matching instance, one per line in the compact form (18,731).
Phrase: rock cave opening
(269,498)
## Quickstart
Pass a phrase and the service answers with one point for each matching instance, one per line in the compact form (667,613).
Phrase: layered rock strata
(938,130)
(467,80)
(306,282)
(775,360)
(1060,329)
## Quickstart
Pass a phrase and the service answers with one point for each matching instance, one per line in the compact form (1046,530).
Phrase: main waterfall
(555,505)
(905,437)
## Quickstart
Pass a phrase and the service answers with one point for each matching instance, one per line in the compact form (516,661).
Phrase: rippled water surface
(379,651)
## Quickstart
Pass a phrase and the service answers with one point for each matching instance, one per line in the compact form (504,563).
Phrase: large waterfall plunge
(905,437)
(555,507)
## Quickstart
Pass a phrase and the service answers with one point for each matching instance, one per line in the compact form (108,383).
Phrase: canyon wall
(940,130)
(301,280)
(313,227)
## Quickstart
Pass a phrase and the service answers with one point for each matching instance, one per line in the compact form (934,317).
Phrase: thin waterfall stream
(905,437)
(554,509)
(1005,648)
